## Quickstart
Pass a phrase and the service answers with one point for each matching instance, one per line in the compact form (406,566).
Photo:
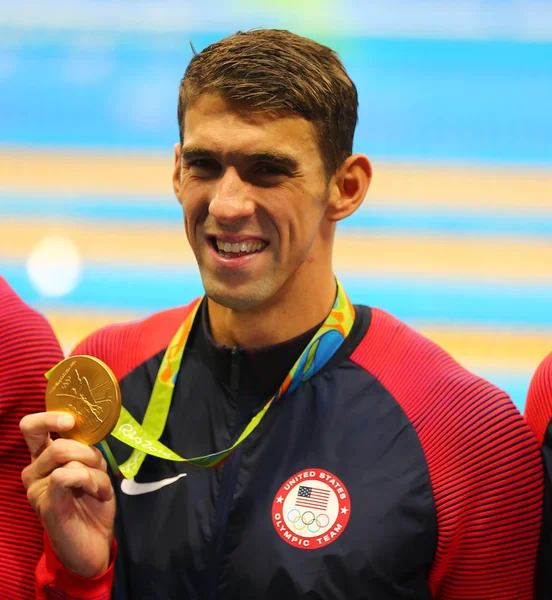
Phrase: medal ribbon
(144,439)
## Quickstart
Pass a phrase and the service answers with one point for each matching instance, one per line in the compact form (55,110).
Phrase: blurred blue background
(455,236)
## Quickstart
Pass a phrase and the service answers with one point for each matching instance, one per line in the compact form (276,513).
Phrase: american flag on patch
(311,497)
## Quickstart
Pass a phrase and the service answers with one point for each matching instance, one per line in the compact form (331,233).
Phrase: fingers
(73,476)
(59,453)
(36,429)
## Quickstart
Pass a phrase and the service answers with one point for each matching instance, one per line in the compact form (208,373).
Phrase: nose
(231,201)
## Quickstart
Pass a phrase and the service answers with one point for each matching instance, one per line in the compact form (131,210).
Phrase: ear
(177,172)
(351,184)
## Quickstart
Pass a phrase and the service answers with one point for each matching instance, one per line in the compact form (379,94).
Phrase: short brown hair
(278,71)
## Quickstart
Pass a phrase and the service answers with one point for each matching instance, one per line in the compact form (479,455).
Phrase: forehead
(211,121)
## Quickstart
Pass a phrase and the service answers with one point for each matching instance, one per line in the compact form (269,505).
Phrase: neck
(298,309)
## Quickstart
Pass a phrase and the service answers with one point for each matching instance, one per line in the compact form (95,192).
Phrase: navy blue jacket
(393,473)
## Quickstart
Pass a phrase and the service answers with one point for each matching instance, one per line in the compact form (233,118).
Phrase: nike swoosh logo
(133,488)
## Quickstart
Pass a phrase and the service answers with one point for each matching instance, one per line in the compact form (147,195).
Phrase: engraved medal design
(85,387)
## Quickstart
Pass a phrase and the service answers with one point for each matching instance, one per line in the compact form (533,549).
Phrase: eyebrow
(271,156)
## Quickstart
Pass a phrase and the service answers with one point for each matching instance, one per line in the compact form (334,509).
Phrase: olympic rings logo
(313,523)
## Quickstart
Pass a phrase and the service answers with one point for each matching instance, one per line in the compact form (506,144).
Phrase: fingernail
(104,464)
(65,421)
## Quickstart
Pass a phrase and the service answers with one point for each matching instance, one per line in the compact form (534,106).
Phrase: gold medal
(85,387)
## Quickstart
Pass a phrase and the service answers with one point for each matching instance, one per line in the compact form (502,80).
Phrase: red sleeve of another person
(538,408)
(538,412)
(28,349)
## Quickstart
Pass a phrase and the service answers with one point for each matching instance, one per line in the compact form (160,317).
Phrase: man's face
(253,189)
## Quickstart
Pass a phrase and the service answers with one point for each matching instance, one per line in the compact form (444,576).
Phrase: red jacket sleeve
(538,408)
(54,581)
(484,465)
(28,349)
(538,412)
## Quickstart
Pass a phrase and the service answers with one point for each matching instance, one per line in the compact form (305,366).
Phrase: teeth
(238,247)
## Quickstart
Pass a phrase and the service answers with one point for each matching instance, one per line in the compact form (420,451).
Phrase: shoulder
(14,310)
(538,408)
(483,462)
(124,346)
(405,360)
(22,327)
(440,397)
(28,349)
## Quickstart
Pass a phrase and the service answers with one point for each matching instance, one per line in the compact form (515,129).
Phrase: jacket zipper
(228,485)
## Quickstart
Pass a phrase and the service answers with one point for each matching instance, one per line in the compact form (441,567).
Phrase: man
(28,349)
(538,412)
(382,469)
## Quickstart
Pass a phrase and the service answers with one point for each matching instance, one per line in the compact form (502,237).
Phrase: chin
(235,299)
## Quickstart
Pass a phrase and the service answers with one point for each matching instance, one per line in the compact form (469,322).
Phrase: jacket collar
(254,375)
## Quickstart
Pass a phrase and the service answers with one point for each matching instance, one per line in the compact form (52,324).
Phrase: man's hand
(68,487)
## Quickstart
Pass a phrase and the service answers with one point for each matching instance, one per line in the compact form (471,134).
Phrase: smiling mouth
(237,249)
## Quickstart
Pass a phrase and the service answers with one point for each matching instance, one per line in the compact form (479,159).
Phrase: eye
(203,167)
(266,169)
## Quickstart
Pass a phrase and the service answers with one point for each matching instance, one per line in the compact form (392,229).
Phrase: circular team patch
(311,509)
